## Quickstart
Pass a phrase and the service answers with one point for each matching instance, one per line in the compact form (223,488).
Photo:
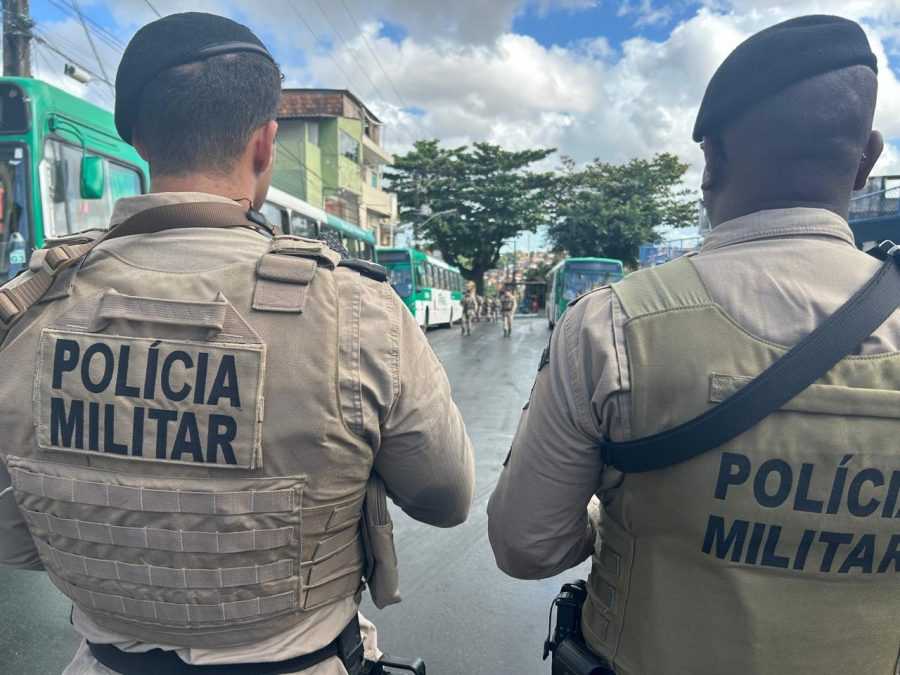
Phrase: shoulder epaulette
(366,268)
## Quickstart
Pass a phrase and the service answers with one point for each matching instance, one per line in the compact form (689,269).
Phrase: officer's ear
(263,144)
(714,171)
(874,148)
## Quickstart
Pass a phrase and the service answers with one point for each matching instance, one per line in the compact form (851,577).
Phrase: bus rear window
(13,110)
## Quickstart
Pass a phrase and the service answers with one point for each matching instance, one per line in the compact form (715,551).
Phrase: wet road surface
(459,612)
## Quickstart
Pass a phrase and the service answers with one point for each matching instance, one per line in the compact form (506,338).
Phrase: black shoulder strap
(811,358)
(366,268)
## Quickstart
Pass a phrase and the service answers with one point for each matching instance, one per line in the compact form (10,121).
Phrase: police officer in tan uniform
(777,552)
(217,411)
(469,310)
(507,309)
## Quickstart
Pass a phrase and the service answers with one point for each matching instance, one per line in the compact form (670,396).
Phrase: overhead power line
(346,44)
(374,54)
(67,8)
(90,39)
(42,39)
(315,38)
(155,11)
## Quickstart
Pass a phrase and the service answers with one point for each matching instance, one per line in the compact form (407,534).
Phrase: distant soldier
(507,307)
(479,305)
(470,310)
(486,309)
(495,308)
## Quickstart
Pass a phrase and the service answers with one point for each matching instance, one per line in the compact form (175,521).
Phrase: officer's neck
(232,186)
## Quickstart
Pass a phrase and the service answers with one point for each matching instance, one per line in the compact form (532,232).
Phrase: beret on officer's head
(774,59)
(172,41)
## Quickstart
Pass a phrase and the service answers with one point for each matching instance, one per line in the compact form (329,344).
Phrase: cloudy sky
(613,79)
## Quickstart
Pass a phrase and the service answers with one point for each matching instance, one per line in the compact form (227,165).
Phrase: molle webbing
(284,274)
(673,285)
(18,296)
(248,552)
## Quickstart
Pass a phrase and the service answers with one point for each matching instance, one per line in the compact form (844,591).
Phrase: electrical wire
(315,37)
(346,44)
(285,150)
(101,32)
(374,54)
(41,38)
(155,11)
(90,39)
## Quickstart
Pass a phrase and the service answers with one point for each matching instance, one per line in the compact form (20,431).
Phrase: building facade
(330,155)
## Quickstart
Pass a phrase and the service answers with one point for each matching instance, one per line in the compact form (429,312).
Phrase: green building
(330,155)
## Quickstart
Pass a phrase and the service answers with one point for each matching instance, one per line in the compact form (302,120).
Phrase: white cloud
(463,76)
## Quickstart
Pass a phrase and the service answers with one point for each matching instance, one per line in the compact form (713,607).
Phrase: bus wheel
(450,325)
(427,321)
(550,324)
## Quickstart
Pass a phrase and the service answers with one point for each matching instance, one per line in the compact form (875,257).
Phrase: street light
(432,217)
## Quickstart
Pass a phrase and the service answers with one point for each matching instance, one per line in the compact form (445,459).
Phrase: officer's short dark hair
(199,116)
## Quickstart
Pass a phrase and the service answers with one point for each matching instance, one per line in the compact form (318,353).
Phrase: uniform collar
(779,224)
(131,206)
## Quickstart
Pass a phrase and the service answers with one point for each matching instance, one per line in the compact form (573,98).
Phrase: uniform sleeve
(17,548)
(537,516)
(425,456)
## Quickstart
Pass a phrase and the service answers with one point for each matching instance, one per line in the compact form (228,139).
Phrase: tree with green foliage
(609,210)
(488,195)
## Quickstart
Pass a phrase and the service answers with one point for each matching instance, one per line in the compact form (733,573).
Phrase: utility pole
(17,25)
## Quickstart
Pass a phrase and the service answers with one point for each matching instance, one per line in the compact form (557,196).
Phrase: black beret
(774,59)
(173,41)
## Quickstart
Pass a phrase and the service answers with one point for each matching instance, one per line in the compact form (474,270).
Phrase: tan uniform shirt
(422,451)
(777,273)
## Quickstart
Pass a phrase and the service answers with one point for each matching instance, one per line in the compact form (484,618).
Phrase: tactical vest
(776,553)
(177,445)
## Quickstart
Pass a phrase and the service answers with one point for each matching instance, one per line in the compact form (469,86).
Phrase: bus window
(580,277)
(15,230)
(276,215)
(352,246)
(421,279)
(301,226)
(368,251)
(65,212)
(401,279)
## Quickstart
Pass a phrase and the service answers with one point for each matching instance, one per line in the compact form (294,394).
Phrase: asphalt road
(459,612)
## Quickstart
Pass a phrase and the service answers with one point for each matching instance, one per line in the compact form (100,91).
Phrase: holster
(571,655)
(382,575)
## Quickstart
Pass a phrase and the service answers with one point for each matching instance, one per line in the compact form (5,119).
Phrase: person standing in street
(507,309)
(778,551)
(199,415)
(469,310)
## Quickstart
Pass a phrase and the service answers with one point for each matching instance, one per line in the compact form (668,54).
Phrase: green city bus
(430,288)
(62,167)
(572,277)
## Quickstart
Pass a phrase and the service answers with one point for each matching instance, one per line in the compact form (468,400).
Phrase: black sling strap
(839,335)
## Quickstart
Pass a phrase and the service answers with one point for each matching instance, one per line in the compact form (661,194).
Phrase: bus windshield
(401,280)
(580,277)
(15,230)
